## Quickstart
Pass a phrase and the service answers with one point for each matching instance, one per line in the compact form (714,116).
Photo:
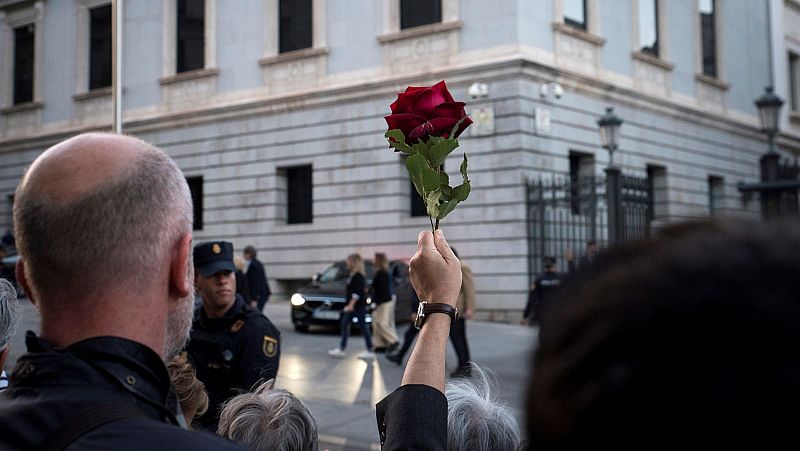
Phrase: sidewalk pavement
(342,393)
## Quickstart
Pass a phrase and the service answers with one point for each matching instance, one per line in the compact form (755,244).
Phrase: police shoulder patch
(270,346)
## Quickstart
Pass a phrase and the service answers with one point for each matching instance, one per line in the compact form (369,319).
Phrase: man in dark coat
(256,278)
(542,293)
(104,236)
(232,346)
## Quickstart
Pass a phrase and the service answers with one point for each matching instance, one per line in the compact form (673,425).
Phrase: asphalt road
(342,393)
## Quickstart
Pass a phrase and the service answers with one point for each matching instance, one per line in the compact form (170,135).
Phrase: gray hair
(269,419)
(9,312)
(117,233)
(476,420)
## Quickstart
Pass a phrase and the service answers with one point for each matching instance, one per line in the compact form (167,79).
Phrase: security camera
(558,91)
(478,90)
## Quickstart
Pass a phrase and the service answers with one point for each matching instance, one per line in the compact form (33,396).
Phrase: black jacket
(540,299)
(50,386)
(357,285)
(413,417)
(381,288)
(232,354)
(257,280)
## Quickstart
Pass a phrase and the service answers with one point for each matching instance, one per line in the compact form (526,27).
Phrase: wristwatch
(426,308)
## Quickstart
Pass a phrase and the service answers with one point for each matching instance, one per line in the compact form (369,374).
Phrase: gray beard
(179,324)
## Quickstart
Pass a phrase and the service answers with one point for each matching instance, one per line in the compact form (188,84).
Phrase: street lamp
(609,132)
(769,108)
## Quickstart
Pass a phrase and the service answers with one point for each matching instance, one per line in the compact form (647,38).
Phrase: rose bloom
(420,112)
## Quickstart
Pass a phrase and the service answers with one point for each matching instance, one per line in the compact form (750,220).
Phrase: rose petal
(441,88)
(426,102)
(405,122)
(450,109)
(441,126)
(421,131)
(463,127)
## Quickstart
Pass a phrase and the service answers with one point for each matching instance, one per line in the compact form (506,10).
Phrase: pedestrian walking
(409,335)
(242,285)
(466,308)
(256,278)
(356,308)
(384,301)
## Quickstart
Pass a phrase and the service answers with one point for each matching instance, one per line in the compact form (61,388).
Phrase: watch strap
(427,308)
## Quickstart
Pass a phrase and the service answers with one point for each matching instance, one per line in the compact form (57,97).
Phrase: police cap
(213,257)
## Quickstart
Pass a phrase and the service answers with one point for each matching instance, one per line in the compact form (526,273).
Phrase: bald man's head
(98,209)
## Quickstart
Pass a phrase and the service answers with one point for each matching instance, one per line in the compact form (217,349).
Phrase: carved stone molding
(197,87)
(93,106)
(651,74)
(21,120)
(419,48)
(577,49)
(292,71)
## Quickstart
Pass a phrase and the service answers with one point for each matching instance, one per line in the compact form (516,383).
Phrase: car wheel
(303,328)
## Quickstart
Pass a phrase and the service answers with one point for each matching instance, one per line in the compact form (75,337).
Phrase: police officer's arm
(260,354)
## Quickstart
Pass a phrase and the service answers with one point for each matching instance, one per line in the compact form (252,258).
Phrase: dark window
(23,64)
(414,13)
(657,181)
(716,193)
(417,204)
(794,82)
(295,25)
(299,196)
(708,36)
(581,181)
(191,35)
(648,27)
(196,188)
(100,47)
(575,13)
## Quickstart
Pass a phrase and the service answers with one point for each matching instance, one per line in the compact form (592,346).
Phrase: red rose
(421,112)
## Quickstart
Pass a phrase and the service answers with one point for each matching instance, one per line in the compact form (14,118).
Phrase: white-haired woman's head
(269,419)
(476,419)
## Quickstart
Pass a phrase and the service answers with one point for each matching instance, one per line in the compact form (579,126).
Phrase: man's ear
(179,267)
(22,280)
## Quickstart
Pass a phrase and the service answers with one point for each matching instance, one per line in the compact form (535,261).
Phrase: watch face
(420,315)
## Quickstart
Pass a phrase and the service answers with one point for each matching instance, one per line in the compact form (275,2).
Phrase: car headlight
(298,299)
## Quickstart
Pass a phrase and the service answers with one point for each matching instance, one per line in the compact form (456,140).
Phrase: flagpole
(116,69)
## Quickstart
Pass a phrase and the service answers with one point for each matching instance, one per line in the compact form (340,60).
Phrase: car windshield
(338,271)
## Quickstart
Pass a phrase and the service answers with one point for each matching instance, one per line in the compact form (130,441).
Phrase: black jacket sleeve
(259,352)
(413,417)
(357,285)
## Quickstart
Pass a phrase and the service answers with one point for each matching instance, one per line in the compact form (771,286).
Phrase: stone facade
(252,112)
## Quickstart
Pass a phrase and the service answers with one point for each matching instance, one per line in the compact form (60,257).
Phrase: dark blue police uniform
(232,354)
(53,387)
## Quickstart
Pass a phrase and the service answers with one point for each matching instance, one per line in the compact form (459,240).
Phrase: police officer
(542,292)
(232,346)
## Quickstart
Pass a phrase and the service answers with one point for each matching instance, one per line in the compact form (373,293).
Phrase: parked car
(321,301)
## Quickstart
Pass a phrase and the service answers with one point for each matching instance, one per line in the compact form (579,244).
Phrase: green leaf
(439,151)
(461,192)
(420,148)
(464,169)
(424,178)
(398,141)
(432,203)
(446,208)
(444,179)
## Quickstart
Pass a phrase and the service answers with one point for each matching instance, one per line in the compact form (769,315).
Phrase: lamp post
(769,109)
(609,125)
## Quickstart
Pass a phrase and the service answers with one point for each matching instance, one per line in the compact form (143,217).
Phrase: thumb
(443,247)
(425,241)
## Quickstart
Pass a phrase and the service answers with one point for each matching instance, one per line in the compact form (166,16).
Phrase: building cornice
(502,67)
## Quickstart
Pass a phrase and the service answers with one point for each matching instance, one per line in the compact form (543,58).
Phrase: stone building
(274,110)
